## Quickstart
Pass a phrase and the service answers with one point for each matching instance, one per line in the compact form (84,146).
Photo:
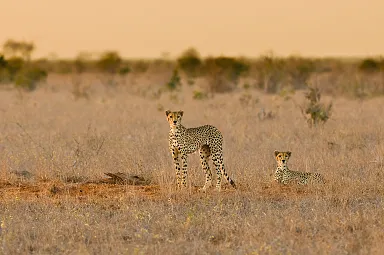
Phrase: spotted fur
(183,141)
(285,176)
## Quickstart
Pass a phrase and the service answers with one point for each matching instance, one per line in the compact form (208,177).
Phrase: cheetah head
(174,118)
(282,157)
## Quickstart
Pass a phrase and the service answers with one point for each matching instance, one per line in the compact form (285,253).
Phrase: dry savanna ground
(57,142)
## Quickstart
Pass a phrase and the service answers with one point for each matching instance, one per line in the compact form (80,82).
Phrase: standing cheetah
(207,139)
(284,175)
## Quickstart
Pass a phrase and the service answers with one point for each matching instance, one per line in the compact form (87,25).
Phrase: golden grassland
(57,141)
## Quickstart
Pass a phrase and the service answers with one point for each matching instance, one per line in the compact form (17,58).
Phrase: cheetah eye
(170,117)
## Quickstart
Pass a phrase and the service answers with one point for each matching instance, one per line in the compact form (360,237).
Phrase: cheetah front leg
(204,155)
(184,158)
(175,157)
(286,178)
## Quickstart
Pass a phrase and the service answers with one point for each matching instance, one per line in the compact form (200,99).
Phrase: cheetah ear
(276,152)
(167,112)
(181,113)
(289,153)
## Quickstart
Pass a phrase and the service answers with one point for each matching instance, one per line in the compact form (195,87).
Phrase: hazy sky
(148,28)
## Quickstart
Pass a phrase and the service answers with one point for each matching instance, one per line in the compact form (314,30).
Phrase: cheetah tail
(232,183)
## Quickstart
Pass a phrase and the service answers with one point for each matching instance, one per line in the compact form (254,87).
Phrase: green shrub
(175,81)
(299,70)
(199,95)
(316,112)
(28,78)
(109,62)
(190,62)
(3,62)
(14,65)
(4,74)
(270,73)
(369,65)
(231,67)
(9,68)
(124,70)
(224,72)
(140,66)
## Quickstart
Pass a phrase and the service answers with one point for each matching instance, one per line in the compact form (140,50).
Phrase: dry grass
(54,145)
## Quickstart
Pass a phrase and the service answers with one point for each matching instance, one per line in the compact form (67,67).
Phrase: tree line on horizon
(18,67)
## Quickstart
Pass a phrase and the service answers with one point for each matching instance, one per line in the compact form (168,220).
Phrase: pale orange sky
(144,28)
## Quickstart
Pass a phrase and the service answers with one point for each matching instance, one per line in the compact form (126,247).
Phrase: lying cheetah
(207,139)
(284,175)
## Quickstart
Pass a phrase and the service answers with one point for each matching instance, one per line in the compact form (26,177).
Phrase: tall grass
(65,143)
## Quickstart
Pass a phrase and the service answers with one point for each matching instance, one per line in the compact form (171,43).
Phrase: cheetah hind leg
(217,159)
(205,152)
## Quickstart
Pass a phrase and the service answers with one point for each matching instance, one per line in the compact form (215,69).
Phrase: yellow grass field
(57,142)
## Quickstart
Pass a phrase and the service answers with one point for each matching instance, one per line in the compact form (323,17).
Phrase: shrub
(140,66)
(9,68)
(3,62)
(175,81)
(14,65)
(4,75)
(231,67)
(199,95)
(224,72)
(369,65)
(190,62)
(270,73)
(315,112)
(124,70)
(109,62)
(299,70)
(28,78)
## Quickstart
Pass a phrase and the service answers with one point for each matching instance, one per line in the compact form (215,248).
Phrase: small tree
(21,49)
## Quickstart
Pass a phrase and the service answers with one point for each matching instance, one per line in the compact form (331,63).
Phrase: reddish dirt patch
(59,190)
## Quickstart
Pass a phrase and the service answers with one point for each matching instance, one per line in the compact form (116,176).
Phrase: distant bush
(299,70)
(175,81)
(3,62)
(231,67)
(190,62)
(224,72)
(315,112)
(28,78)
(199,95)
(109,62)
(369,65)
(22,49)
(271,74)
(124,70)
(14,65)
(9,68)
(140,66)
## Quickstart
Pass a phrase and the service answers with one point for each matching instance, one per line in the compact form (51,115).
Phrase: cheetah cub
(183,141)
(285,176)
